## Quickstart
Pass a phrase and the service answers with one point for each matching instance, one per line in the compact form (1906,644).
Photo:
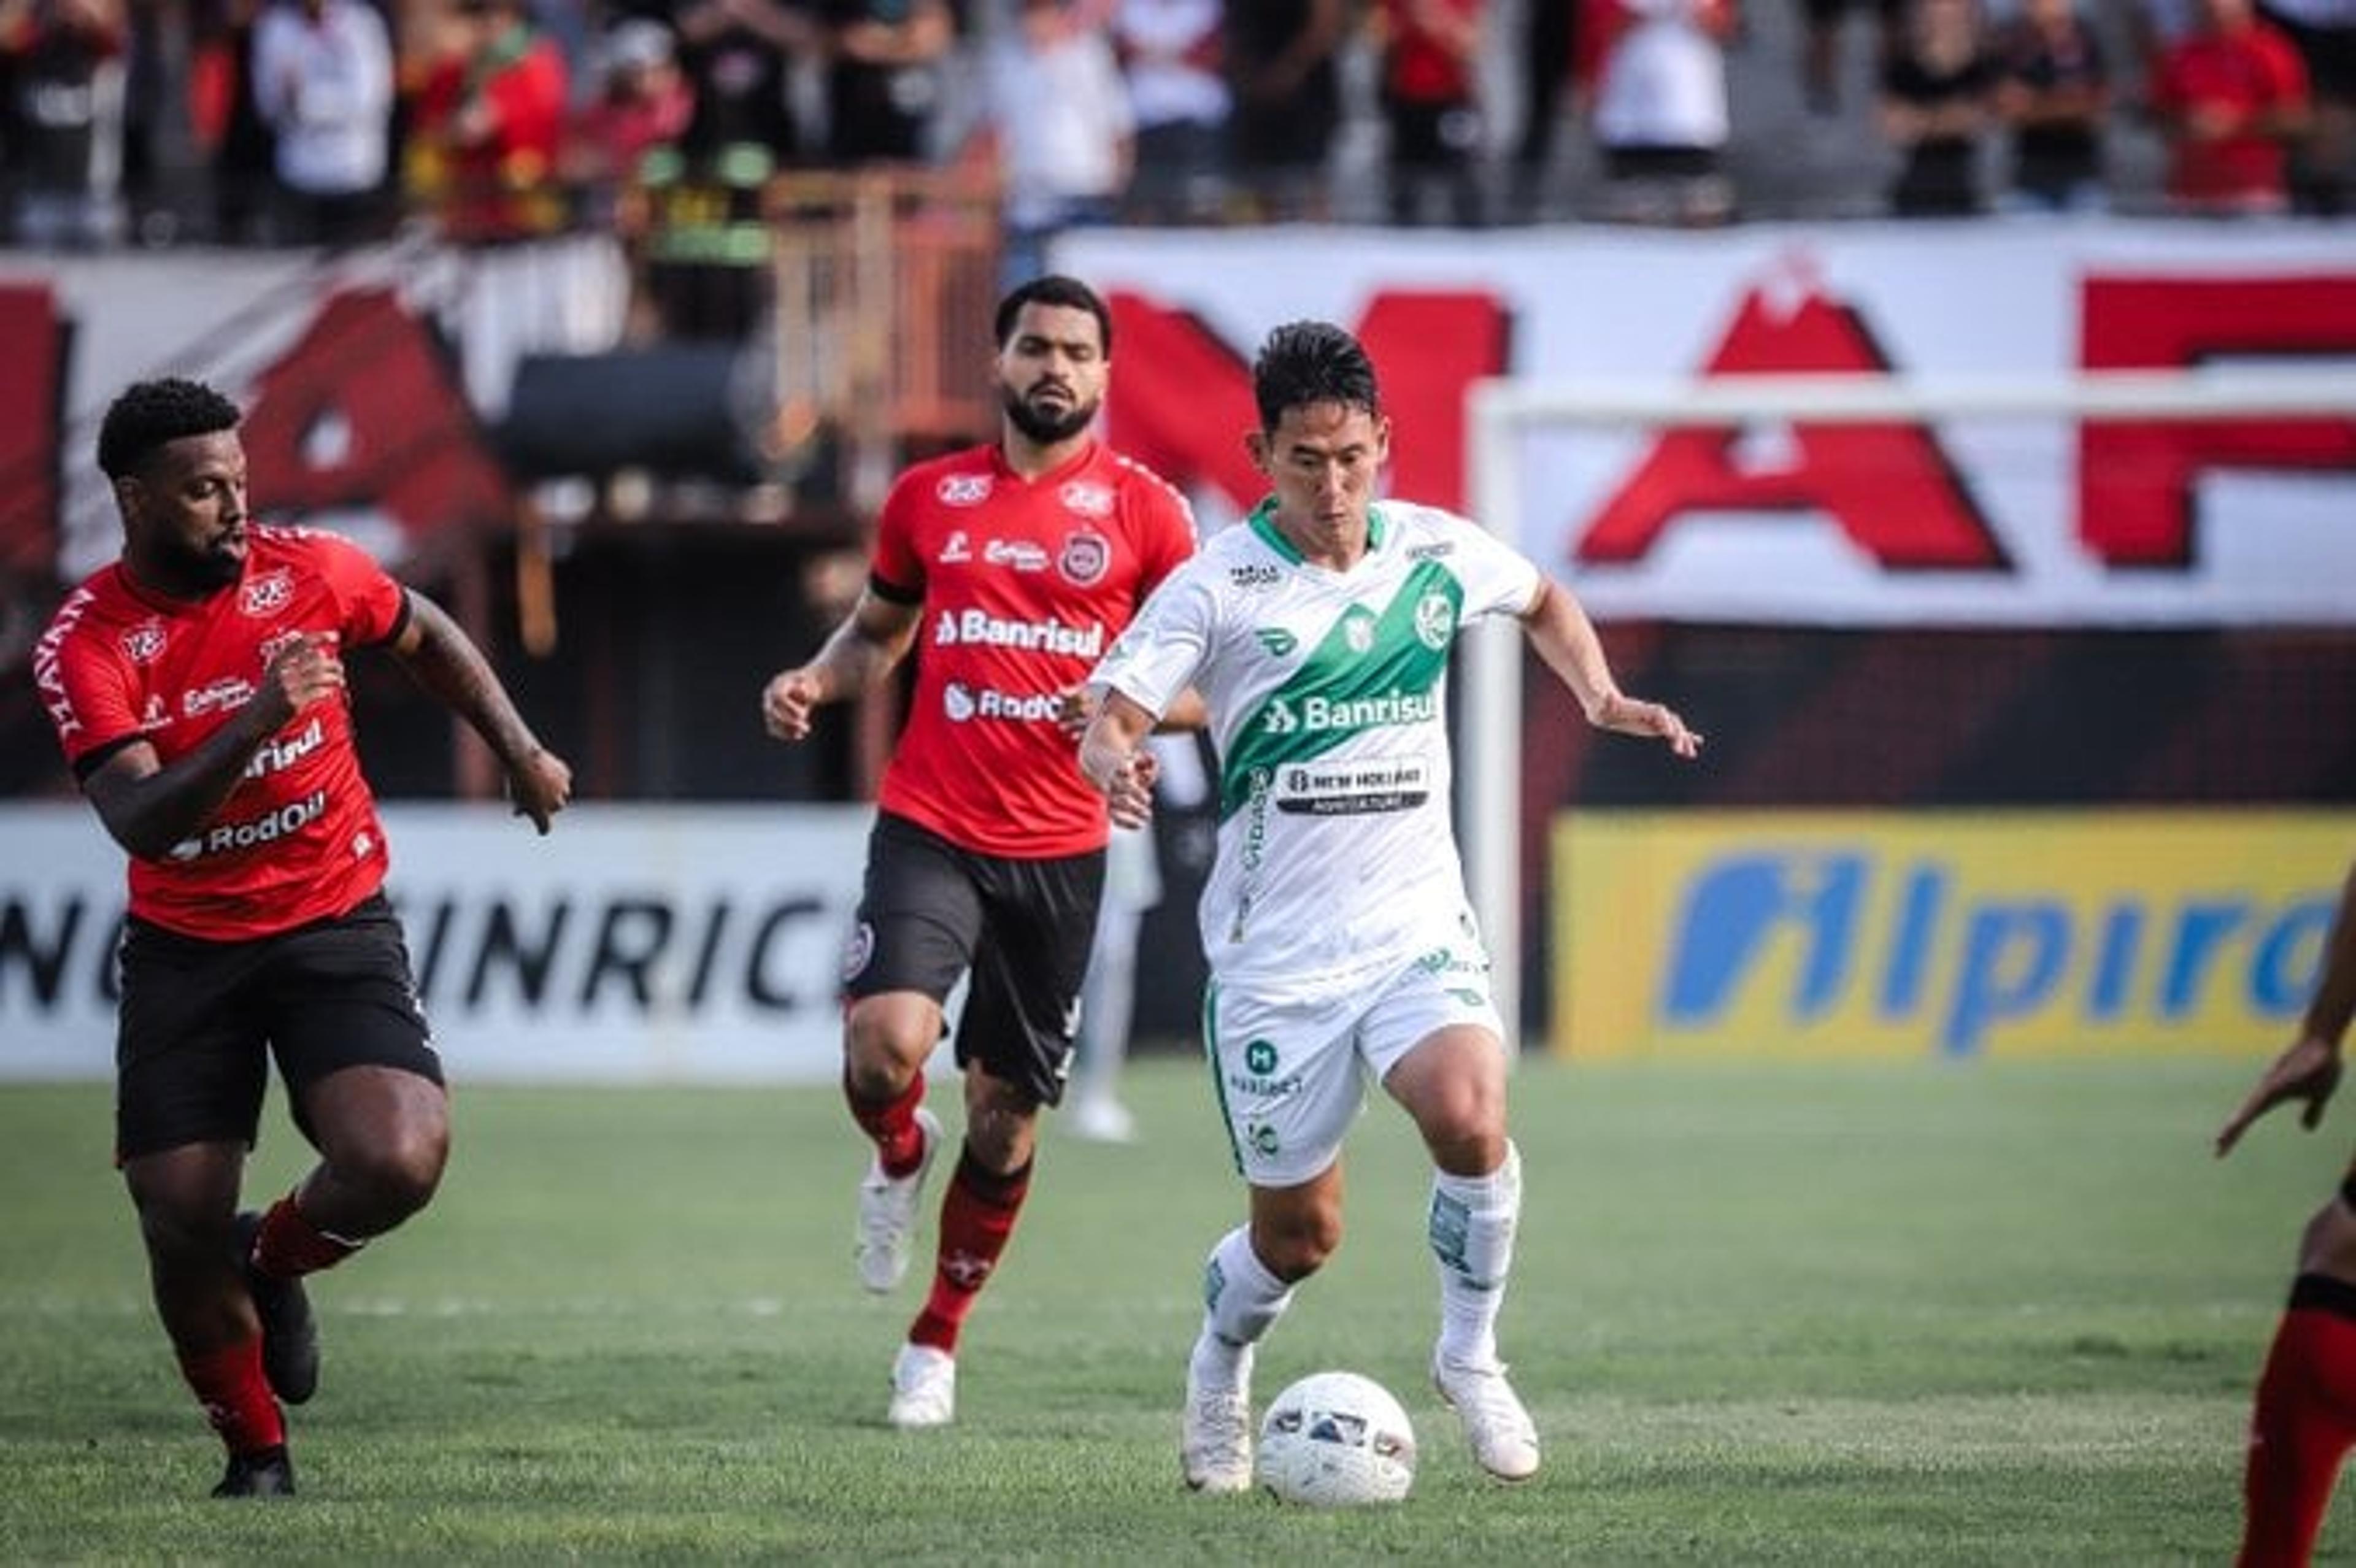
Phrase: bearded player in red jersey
(1016,563)
(196,686)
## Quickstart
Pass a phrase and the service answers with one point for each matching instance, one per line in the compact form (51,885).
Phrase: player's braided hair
(1306,362)
(1054,289)
(150,414)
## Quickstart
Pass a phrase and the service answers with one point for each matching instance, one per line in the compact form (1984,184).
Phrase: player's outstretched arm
(874,637)
(1558,628)
(2309,1067)
(446,661)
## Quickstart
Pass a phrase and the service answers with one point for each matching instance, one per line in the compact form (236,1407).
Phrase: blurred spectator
(2322,161)
(739,58)
(1431,53)
(1937,95)
(236,142)
(2053,94)
(643,104)
(885,84)
(63,63)
(323,81)
(1170,52)
(1288,101)
(1823,24)
(2230,95)
(489,126)
(1548,56)
(1657,76)
(1058,119)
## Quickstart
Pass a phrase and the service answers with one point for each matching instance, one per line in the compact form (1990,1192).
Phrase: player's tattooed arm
(445,662)
(874,638)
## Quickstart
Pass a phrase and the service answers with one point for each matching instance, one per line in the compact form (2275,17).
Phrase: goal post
(1503,414)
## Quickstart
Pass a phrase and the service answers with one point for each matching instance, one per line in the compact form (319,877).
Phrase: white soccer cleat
(1104,1121)
(924,1389)
(887,1213)
(1504,1441)
(1215,1444)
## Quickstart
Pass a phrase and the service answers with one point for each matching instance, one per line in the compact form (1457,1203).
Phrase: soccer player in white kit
(1339,938)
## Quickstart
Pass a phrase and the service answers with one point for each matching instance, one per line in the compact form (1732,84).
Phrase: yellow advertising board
(1772,935)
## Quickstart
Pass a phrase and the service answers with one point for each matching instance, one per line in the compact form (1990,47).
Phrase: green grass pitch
(1982,1313)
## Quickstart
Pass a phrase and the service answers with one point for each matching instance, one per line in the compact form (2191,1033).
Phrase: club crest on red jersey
(1085,558)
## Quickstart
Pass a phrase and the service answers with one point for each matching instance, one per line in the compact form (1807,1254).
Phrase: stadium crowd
(294,121)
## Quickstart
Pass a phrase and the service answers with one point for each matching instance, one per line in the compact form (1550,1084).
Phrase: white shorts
(1291,1075)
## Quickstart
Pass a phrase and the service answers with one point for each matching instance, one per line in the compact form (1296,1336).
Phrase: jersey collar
(1263,523)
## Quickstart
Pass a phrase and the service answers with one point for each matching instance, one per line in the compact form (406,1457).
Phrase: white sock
(1242,1302)
(1473,1223)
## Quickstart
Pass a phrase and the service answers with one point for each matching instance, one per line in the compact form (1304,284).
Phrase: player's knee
(178,1226)
(1299,1246)
(401,1168)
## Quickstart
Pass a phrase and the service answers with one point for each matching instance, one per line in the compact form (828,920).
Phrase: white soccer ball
(1337,1439)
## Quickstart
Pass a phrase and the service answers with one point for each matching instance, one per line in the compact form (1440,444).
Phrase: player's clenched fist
(787,704)
(301,673)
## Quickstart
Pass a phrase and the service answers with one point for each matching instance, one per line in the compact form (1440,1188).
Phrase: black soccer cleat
(290,1334)
(269,1474)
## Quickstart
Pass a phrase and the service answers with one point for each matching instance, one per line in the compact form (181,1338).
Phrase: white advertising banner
(1920,517)
(634,944)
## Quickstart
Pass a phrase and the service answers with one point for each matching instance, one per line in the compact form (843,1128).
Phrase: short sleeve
(86,687)
(1496,577)
(895,564)
(374,606)
(1167,540)
(1158,657)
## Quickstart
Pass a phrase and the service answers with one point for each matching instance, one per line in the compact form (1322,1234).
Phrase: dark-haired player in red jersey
(196,686)
(1012,566)
(2304,1421)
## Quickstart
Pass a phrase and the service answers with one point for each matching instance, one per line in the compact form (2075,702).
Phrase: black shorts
(201,1019)
(932,911)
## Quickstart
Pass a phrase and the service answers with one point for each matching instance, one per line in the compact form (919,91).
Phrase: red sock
(288,1246)
(977,1216)
(229,1382)
(893,1124)
(2302,1426)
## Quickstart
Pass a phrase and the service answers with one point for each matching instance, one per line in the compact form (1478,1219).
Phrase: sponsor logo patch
(267,594)
(142,643)
(963,489)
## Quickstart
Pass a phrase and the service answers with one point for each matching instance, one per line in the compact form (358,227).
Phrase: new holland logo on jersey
(1085,558)
(267,594)
(963,489)
(1435,620)
(1277,641)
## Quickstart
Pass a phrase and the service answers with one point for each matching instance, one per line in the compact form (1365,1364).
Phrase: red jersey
(297,839)
(1024,584)
(2250,71)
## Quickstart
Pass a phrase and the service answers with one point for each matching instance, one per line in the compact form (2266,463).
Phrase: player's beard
(199,569)
(1038,424)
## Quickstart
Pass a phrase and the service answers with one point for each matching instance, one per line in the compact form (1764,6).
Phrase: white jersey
(1328,700)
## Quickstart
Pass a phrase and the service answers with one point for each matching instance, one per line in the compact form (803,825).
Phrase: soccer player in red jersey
(1015,564)
(197,686)
(2304,1419)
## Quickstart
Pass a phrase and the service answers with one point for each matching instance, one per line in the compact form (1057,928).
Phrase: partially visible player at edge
(2305,1416)
(1334,919)
(1017,563)
(197,686)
